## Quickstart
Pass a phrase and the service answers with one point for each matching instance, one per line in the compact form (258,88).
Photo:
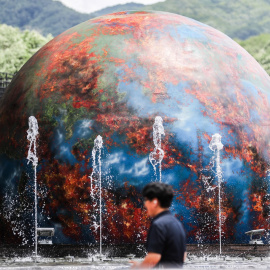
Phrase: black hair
(163,192)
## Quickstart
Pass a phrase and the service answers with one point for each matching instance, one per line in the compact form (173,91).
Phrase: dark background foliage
(238,19)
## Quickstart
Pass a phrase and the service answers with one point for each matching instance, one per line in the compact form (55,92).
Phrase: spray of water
(216,145)
(266,205)
(32,134)
(96,187)
(15,215)
(157,155)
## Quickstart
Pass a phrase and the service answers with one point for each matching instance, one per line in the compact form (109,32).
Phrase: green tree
(17,46)
(237,19)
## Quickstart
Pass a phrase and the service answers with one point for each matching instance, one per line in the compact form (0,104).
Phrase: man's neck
(160,210)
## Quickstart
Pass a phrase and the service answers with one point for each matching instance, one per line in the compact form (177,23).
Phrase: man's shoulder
(168,226)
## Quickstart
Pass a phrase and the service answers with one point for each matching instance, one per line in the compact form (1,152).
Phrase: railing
(5,79)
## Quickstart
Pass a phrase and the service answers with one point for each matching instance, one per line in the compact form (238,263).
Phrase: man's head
(157,196)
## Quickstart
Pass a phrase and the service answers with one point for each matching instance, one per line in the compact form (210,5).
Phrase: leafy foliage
(17,46)
(108,10)
(238,19)
(45,16)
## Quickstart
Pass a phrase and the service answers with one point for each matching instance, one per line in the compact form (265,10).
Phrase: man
(166,240)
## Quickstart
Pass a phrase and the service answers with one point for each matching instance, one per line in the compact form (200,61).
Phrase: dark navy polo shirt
(167,237)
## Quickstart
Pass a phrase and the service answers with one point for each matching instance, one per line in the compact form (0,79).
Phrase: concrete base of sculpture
(84,251)
(233,250)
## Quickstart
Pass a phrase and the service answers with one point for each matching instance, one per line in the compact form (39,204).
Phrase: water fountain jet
(96,152)
(157,155)
(216,145)
(32,134)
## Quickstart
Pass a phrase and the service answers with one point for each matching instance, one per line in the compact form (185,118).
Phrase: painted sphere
(155,87)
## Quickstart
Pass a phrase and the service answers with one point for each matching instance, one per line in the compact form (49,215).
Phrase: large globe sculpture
(112,76)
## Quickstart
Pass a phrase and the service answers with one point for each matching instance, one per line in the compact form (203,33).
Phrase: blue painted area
(231,170)
(238,184)
(249,89)
(134,95)
(189,118)
(184,32)
(254,117)
(132,167)
(62,148)
(10,173)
